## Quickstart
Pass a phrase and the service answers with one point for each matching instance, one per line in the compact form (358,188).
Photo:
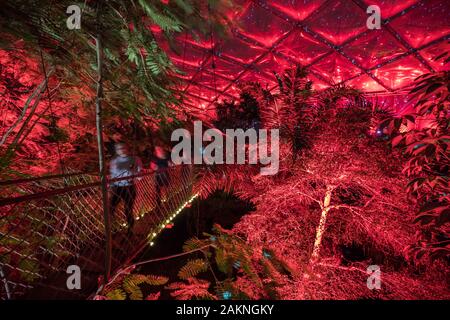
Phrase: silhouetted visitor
(124,165)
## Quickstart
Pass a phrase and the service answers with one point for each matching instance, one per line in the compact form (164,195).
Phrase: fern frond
(165,22)
(132,54)
(155,280)
(117,294)
(192,268)
(131,286)
(195,288)
(193,244)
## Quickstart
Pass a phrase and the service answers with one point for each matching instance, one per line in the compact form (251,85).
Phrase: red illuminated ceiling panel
(187,72)
(374,47)
(433,51)
(365,83)
(429,21)
(401,73)
(265,28)
(273,63)
(232,90)
(200,95)
(246,77)
(239,50)
(302,47)
(336,68)
(298,10)
(192,55)
(210,80)
(318,84)
(224,68)
(391,7)
(328,36)
(340,21)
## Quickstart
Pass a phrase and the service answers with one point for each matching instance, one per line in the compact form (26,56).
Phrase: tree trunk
(101,160)
(36,95)
(23,132)
(321,227)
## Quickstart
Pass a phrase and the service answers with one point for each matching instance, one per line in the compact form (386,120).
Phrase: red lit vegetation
(358,184)
(337,205)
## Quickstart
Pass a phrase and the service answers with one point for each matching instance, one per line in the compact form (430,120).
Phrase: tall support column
(101,159)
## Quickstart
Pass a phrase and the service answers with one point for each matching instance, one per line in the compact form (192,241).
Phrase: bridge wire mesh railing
(47,224)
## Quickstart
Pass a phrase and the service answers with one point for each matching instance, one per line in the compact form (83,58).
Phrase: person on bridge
(124,165)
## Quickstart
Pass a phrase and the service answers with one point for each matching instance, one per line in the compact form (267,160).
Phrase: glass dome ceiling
(329,37)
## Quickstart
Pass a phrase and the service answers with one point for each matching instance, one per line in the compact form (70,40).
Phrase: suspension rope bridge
(50,223)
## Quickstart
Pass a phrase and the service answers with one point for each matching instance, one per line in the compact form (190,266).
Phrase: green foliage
(139,79)
(155,280)
(192,268)
(193,244)
(119,25)
(235,261)
(167,21)
(26,261)
(230,261)
(129,286)
(116,294)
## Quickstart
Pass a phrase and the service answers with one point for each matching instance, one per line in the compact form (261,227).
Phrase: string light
(153,235)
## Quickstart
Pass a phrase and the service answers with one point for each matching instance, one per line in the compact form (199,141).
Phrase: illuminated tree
(335,210)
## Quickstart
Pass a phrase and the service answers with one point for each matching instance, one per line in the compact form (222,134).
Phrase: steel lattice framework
(328,36)
(49,223)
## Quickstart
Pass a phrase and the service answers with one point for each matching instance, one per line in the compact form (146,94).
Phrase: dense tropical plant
(423,135)
(338,208)
(242,114)
(58,83)
(226,267)
(128,286)
(138,80)
(289,108)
